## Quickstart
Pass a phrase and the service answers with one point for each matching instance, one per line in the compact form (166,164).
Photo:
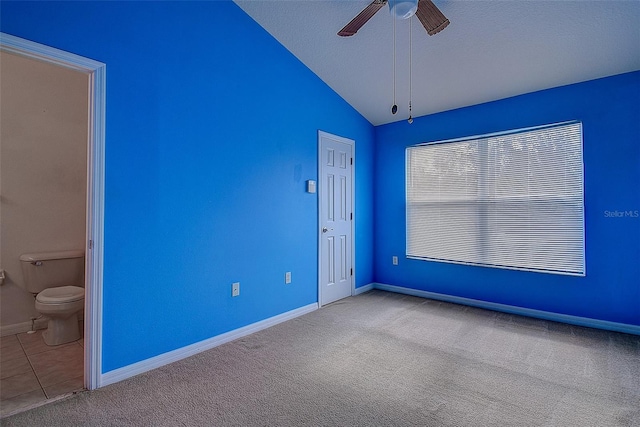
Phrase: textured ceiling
(491,50)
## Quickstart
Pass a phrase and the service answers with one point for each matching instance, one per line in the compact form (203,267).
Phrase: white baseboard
(545,315)
(129,371)
(363,289)
(18,328)
(173,356)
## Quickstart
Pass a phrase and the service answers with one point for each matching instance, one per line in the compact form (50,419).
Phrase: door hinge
(352,160)
(352,271)
(90,244)
(351,216)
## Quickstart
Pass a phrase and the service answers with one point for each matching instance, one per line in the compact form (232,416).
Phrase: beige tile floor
(32,372)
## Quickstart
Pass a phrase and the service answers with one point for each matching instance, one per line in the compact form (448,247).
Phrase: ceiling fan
(428,13)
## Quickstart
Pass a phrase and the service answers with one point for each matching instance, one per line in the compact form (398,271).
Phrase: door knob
(325,229)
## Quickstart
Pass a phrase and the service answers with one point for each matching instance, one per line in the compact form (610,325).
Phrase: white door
(335,195)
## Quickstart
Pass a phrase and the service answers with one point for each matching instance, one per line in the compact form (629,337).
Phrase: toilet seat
(60,295)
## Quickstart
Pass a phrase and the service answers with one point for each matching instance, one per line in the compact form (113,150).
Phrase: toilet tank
(51,269)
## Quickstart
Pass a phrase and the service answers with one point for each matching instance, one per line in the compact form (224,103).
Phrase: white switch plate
(287,277)
(311,186)
(395,260)
(235,289)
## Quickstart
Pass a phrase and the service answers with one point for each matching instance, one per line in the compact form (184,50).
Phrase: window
(510,200)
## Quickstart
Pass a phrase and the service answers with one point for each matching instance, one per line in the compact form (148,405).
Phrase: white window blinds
(511,200)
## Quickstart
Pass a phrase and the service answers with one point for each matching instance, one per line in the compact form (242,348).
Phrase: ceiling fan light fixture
(403,9)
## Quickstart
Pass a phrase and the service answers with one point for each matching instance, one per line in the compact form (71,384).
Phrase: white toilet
(57,280)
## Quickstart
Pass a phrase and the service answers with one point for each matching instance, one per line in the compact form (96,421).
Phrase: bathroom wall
(43,161)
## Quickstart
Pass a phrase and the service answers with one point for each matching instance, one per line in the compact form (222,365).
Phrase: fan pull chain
(394,108)
(410,63)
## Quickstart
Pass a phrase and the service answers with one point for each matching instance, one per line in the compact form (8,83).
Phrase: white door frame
(350,142)
(96,71)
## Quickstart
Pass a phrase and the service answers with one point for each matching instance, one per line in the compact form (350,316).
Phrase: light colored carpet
(381,359)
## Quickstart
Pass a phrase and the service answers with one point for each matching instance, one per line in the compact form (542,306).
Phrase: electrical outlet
(235,289)
(395,260)
(287,277)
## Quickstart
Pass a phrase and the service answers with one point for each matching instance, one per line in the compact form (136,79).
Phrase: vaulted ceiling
(491,50)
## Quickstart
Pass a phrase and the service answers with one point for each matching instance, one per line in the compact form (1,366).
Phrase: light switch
(311,186)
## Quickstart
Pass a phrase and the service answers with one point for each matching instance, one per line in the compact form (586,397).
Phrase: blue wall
(211,133)
(610,112)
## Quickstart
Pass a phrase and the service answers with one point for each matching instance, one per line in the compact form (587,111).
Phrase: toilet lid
(60,294)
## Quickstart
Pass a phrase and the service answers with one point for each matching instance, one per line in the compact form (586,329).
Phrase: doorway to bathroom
(68,188)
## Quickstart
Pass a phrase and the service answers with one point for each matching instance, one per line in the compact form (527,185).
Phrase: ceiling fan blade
(431,18)
(352,27)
